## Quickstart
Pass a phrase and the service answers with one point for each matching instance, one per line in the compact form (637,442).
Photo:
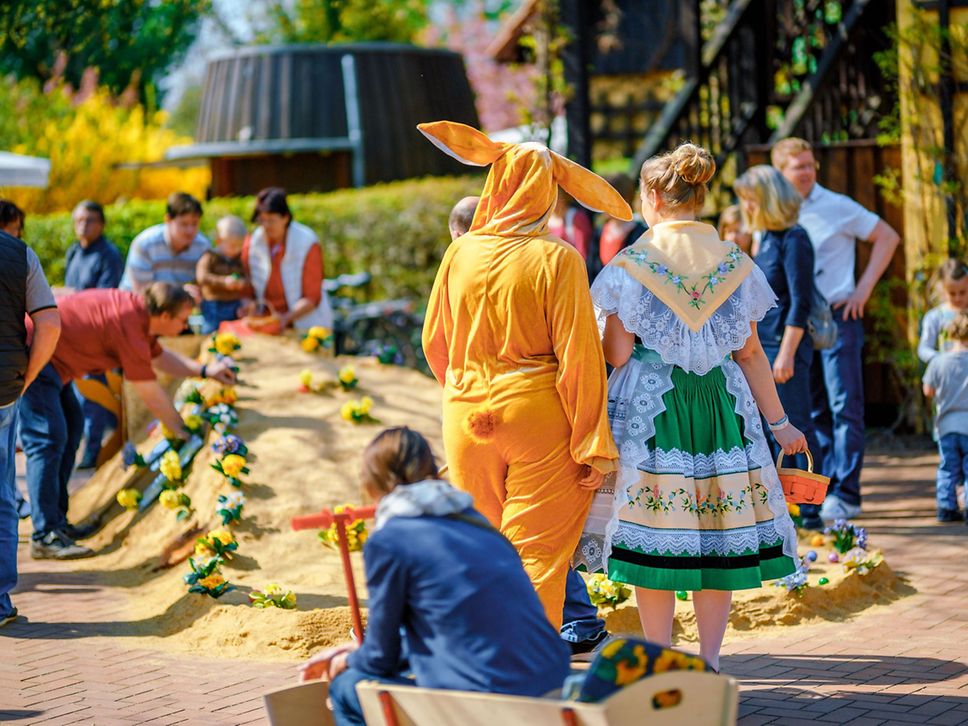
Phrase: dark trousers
(51,427)
(837,385)
(342,693)
(797,401)
(216,312)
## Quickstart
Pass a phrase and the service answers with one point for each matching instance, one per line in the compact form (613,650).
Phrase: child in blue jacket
(448,597)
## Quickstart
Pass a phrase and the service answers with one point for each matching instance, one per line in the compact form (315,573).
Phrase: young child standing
(220,274)
(954,282)
(946,379)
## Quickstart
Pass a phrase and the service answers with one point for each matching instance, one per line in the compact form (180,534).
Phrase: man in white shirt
(835,222)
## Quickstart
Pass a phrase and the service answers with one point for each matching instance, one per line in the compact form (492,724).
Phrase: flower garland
(229,507)
(224,344)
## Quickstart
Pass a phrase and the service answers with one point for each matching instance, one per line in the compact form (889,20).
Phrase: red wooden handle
(325,518)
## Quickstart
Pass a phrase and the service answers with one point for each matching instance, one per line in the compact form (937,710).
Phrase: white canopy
(23,171)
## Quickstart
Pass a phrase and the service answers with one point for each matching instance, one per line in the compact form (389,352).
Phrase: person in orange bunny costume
(511,335)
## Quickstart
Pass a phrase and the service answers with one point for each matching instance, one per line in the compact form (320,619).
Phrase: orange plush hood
(522,186)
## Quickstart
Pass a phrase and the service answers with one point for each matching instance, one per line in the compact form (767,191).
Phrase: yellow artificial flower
(306,378)
(309,344)
(222,535)
(366,404)
(232,465)
(347,374)
(228,395)
(347,410)
(319,332)
(170,499)
(226,343)
(129,498)
(793,509)
(212,581)
(193,422)
(272,590)
(167,432)
(202,548)
(171,466)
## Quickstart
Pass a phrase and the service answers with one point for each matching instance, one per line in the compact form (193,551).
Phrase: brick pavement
(906,664)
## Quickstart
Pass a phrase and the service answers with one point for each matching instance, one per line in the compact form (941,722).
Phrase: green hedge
(397,232)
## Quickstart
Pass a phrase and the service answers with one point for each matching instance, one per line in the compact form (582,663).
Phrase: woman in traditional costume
(697,502)
(510,333)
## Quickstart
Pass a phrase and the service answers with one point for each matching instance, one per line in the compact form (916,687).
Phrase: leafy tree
(131,43)
(340,21)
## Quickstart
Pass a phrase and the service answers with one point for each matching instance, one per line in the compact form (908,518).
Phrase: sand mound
(771,607)
(304,458)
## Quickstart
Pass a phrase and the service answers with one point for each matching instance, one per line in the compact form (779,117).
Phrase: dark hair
(953,269)
(163,297)
(10,212)
(396,456)
(271,200)
(462,215)
(180,203)
(89,205)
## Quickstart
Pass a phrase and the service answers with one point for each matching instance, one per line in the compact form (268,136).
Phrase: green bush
(397,232)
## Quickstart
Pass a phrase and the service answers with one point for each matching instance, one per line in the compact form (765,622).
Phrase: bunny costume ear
(589,189)
(462,142)
(521,187)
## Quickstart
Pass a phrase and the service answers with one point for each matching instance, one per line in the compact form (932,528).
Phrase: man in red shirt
(100,330)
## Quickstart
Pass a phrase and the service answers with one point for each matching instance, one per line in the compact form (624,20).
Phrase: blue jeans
(51,426)
(346,704)
(796,400)
(952,470)
(580,619)
(96,420)
(837,385)
(216,312)
(8,507)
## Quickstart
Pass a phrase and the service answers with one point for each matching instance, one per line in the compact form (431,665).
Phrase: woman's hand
(320,664)
(783,367)
(337,665)
(791,440)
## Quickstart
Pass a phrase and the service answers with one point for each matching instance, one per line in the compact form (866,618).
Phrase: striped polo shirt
(151,259)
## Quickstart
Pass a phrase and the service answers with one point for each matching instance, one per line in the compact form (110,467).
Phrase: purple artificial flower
(862,538)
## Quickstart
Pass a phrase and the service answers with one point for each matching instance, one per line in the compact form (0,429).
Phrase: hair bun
(693,164)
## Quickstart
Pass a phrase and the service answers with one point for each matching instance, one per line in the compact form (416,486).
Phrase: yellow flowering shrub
(86,135)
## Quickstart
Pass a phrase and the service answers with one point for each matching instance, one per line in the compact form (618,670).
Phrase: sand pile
(843,596)
(305,457)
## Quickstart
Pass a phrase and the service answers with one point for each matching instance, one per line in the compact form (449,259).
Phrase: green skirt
(699,512)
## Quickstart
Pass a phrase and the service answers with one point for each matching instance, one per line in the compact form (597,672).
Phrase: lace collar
(687,267)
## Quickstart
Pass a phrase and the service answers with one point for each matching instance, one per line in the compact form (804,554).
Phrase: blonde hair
(777,201)
(785,148)
(231,227)
(680,177)
(958,328)
(730,217)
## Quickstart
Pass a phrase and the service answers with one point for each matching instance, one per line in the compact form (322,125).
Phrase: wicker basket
(802,487)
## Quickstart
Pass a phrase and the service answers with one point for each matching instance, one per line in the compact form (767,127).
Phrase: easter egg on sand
(817,540)
(682,595)
(823,581)
(811,556)
(833,557)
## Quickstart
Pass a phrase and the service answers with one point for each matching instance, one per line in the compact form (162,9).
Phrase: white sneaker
(836,508)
